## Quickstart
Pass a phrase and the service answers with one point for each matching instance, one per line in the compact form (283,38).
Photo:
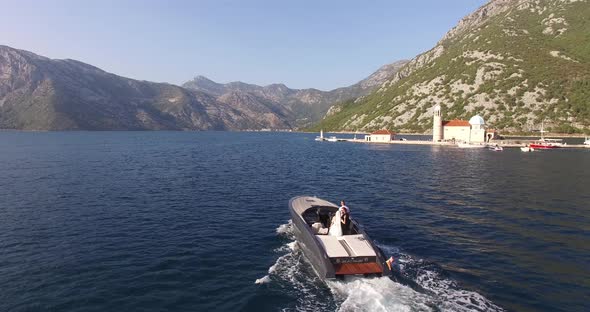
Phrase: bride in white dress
(336,227)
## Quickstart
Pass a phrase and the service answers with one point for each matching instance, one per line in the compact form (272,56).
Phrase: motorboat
(496,148)
(544,143)
(332,139)
(527,149)
(334,256)
(469,145)
(321,137)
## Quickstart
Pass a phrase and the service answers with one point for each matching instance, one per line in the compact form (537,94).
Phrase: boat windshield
(319,219)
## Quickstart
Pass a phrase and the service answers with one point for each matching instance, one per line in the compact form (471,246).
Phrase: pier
(502,143)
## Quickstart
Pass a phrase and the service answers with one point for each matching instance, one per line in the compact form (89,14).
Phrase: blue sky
(319,44)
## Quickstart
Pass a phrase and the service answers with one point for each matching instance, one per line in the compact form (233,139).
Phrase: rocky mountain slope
(515,62)
(302,106)
(38,93)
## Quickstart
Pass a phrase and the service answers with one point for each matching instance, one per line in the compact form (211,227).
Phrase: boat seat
(318,228)
(324,217)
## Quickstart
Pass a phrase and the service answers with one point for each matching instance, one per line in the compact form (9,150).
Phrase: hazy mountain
(515,62)
(303,106)
(39,93)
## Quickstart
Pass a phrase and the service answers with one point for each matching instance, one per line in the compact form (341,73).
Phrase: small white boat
(527,149)
(496,148)
(469,145)
(587,141)
(332,139)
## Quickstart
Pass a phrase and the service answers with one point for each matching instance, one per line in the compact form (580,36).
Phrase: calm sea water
(184,221)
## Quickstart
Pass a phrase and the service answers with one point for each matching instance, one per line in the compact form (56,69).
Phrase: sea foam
(292,273)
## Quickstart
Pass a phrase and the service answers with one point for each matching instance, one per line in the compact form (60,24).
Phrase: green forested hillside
(517,63)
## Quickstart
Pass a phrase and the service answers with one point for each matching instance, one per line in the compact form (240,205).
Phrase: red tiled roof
(383,131)
(456,123)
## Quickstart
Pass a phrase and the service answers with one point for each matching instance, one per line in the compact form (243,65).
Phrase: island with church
(444,132)
(456,132)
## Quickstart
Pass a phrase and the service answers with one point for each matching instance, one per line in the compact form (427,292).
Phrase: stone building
(380,136)
(472,131)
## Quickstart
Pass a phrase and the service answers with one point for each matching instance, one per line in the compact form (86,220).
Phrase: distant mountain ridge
(517,63)
(303,106)
(39,93)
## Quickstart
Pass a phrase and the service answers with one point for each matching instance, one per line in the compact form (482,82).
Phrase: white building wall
(457,133)
(478,135)
(381,138)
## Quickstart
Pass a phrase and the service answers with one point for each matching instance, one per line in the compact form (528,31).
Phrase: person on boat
(336,227)
(343,206)
(345,221)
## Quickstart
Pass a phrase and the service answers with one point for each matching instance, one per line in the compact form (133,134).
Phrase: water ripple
(188,221)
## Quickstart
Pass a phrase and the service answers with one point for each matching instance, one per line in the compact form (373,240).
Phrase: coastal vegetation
(516,63)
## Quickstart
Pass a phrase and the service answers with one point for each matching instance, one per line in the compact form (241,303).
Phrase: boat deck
(346,246)
(357,268)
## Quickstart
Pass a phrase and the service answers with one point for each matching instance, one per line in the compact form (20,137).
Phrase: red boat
(547,144)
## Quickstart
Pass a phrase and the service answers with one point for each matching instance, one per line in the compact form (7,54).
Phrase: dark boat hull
(313,251)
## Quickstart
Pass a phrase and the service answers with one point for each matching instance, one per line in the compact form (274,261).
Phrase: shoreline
(502,143)
(552,134)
